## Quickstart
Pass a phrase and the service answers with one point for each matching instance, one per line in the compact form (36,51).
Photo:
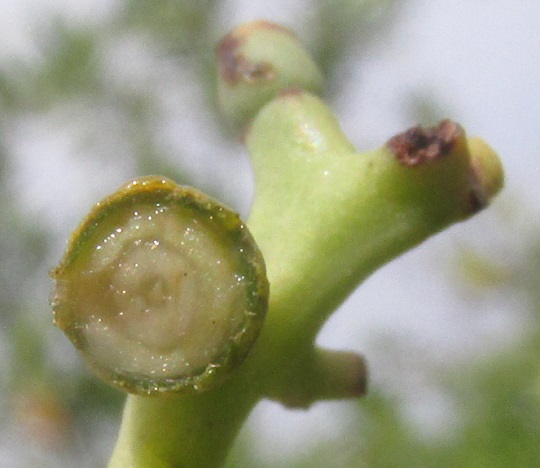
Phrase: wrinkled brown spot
(418,146)
(235,67)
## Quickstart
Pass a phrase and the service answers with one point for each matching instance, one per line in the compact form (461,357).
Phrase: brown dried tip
(233,64)
(419,146)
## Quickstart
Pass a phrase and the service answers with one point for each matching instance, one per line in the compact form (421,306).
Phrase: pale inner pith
(161,294)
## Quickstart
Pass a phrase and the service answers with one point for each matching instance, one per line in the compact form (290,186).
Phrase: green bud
(161,288)
(256,61)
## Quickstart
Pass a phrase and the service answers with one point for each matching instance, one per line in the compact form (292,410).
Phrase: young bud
(256,61)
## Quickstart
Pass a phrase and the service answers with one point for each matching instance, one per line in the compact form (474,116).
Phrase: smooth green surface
(325,216)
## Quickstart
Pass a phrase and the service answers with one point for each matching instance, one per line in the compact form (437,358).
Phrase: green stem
(325,217)
(194,431)
(165,291)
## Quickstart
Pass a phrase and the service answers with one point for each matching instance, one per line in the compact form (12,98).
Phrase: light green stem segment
(191,431)
(324,217)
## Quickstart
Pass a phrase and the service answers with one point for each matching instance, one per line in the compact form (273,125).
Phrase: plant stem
(194,431)
(324,217)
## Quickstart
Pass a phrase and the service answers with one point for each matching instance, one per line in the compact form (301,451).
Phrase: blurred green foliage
(56,406)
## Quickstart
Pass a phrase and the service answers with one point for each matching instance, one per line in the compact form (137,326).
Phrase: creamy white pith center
(161,295)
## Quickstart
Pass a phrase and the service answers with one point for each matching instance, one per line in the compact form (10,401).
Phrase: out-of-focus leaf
(479,272)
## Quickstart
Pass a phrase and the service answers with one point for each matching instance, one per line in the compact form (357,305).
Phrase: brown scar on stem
(418,146)
(234,67)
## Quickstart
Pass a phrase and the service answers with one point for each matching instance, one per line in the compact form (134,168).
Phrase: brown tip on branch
(233,65)
(418,146)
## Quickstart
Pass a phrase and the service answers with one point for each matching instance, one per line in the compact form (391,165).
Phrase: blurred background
(93,93)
